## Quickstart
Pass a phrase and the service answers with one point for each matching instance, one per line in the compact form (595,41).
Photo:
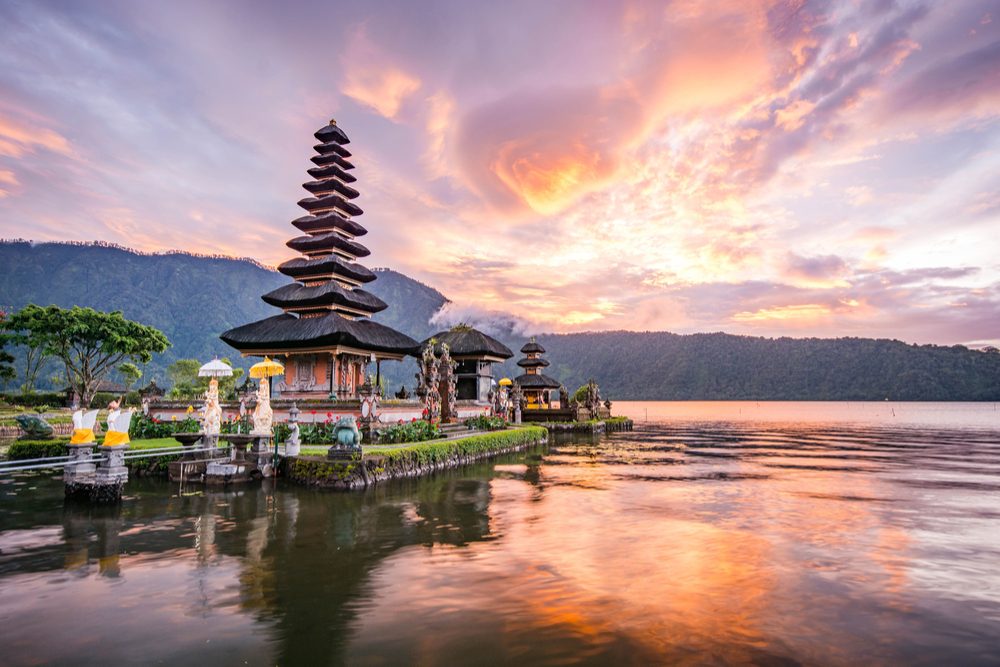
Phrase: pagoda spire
(326,307)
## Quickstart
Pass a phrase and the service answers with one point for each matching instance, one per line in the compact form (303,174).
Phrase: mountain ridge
(193,298)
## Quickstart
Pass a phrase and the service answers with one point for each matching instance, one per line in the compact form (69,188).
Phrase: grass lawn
(154,443)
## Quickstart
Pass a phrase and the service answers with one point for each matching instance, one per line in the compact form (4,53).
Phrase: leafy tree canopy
(90,343)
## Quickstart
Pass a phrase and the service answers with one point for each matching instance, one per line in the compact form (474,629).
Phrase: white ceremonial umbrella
(215,369)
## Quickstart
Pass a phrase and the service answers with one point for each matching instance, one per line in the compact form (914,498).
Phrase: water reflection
(690,542)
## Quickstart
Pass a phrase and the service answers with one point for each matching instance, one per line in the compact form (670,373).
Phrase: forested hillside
(192,299)
(718,366)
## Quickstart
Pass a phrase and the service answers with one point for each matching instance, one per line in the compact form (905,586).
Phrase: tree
(7,372)
(130,374)
(90,343)
(28,328)
(183,373)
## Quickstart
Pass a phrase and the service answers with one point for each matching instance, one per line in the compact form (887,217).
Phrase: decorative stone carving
(263,417)
(429,381)
(347,439)
(447,366)
(211,419)
(34,427)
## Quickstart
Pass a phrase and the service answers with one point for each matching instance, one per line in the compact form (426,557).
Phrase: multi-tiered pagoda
(536,386)
(325,335)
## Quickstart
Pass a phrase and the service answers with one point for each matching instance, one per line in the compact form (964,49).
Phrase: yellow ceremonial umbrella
(506,382)
(267,368)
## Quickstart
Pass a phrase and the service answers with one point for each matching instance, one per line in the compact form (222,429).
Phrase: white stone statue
(294,443)
(211,420)
(263,418)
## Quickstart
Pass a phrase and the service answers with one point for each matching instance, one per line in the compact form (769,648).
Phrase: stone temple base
(94,492)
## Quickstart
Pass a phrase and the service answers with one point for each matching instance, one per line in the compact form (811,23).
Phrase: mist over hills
(193,299)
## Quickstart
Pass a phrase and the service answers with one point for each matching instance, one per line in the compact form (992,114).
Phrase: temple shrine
(325,334)
(535,386)
(474,353)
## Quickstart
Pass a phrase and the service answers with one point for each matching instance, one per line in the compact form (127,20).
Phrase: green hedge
(53,399)
(435,452)
(36,449)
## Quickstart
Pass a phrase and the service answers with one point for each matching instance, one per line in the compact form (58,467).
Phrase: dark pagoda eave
(329,242)
(312,224)
(469,342)
(536,381)
(331,158)
(331,265)
(332,147)
(331,170)
(330,201)
(331,186)
(296,296)
(532,363)
(331,134)
(287,332)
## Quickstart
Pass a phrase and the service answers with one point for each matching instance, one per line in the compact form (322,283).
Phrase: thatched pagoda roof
(331,186)
(331,170)
(332,147)
(289,332)
(325,222)
(325,309)
(331,158)
(532,347)
(532,363)
(332,133)
(330,201)
(296,296)
(331,265)
(530,381)
(328,242)
(469,342)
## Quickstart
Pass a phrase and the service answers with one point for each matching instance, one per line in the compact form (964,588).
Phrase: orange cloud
(809,312)
(371,79)
(8,181)
(18,138)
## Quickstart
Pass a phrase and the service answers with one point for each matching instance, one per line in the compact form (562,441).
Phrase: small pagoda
(535,385)
(474,353)
(325,335)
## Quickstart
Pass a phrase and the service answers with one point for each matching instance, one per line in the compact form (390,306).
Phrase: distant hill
(719,366)
(192,299)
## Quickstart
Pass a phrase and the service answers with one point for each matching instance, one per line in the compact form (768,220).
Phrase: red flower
(314,412)
(329,415)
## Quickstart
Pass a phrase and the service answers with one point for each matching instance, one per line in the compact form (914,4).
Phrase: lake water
(715,533)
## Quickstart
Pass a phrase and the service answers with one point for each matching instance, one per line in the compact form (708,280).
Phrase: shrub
(484,443)
(486,423)
(37,449)
(102,398)
(144,427)
(46,398)
(417,430)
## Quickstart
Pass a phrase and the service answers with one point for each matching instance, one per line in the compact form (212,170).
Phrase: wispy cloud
(760,167)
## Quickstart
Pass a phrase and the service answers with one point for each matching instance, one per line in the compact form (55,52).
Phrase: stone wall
(410,461)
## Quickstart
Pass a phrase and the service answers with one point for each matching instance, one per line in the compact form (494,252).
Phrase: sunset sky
(772,168)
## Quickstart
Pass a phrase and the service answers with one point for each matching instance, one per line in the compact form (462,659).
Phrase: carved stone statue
(448,366)
(34,427)
(263,417)
(293,444)
(563,397)
(346,432)
(429,379)
(211,420)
